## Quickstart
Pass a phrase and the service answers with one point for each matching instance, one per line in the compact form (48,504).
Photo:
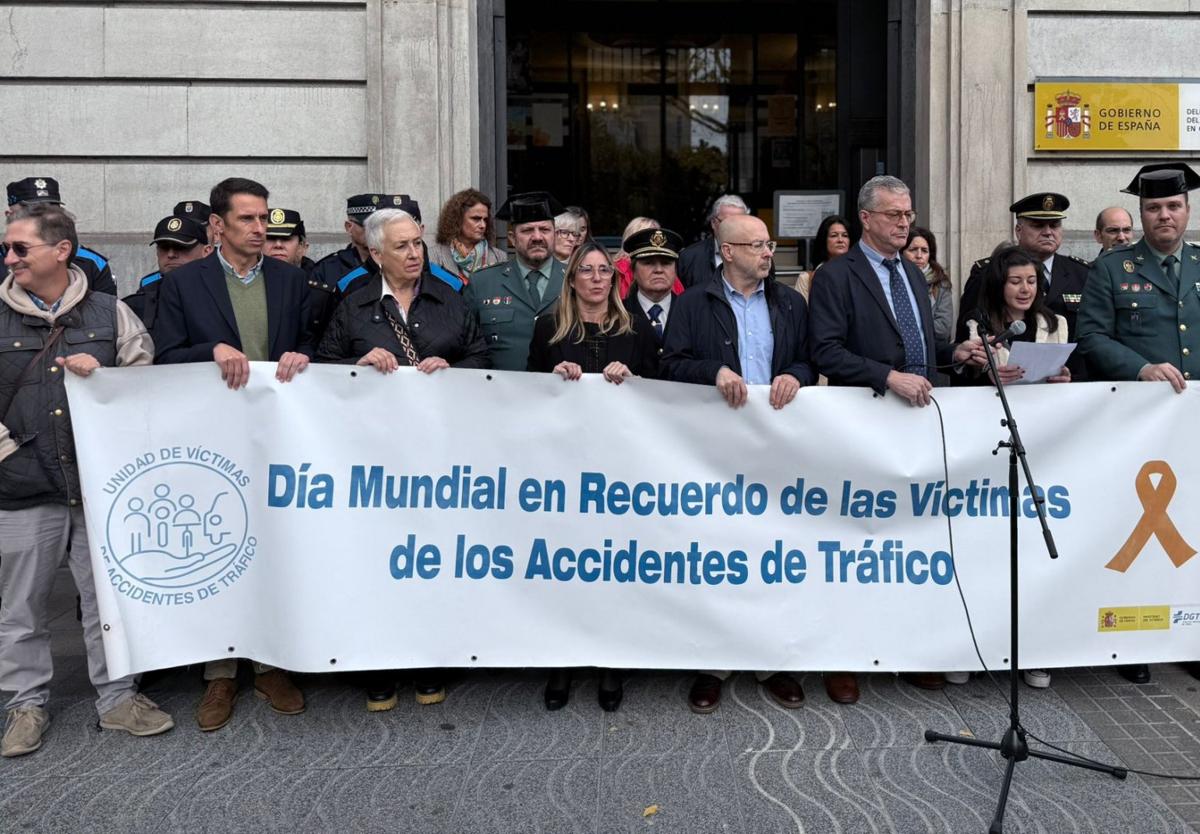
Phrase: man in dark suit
(698,263)
(871,325)
(509,297)
(652,256)
(1038,231)
(234,307)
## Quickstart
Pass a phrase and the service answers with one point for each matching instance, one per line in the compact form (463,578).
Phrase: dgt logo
(1183,617)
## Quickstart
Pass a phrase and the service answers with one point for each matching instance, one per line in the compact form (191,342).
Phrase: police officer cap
(183,231)
(361,206)
(653,243)
(1044,206)
(1163,179)
(283,223)
(530,207)
(34,190)
(196,210)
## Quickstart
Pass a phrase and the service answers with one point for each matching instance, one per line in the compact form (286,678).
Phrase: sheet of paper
(1039,360)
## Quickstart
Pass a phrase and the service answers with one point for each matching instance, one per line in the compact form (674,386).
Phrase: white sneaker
(958,678)
(24,730)
(1037,678)
(138,716)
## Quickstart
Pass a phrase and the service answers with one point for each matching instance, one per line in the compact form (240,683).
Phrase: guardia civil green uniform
(500,294)
(1134,313)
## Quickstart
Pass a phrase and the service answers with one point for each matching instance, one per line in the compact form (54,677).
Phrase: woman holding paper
(1014,289)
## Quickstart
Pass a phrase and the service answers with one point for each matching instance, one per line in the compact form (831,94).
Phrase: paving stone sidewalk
(491,759)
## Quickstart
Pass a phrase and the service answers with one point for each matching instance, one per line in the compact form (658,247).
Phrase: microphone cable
(1012,671)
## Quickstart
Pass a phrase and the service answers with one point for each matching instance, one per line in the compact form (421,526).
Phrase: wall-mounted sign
(1072,116)
(799,213)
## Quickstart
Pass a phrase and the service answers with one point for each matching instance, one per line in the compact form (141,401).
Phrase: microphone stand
(1013,746)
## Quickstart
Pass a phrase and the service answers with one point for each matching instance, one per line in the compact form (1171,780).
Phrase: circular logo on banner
(177,524)
(277,216)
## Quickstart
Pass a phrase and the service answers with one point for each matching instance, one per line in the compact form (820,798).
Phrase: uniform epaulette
(1079,260)
(95,257)
(449,278)
(147,280)
(1193,245)
(981,263)
(320,285)
(349,277)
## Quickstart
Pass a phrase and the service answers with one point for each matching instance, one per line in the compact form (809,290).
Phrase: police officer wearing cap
(177,241)
(45,190)
(1038,231)
(653,256)
(509,297)
(286,238)
(361,277)
(323,278)
(198,211)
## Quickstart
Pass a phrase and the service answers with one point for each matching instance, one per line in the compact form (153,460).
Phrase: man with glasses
(509,297)
(52,325)
(177,241)
(1114,227)
(700,262)
(741,329)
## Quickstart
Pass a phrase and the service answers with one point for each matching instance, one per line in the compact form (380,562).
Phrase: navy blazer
(702,334)
(855,338)
(195,313)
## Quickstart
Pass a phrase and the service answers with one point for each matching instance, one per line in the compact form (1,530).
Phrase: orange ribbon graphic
(1154,521)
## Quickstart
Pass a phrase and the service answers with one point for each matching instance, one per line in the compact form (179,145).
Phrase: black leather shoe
(611,691)
(558,689)
(705,695)
(1135,672)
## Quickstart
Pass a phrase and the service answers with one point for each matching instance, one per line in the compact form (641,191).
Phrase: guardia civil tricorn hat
(530,207)
(1163,179)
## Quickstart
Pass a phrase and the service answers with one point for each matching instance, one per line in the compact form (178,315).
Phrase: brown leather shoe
(842,687)
(784,690)
(277,689)
(216,707)
(705,695)
(932,681)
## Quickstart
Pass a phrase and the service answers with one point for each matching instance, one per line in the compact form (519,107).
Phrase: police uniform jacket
(1064,295)
(323,281)
(1134,314)
(195,312)
(702,334)
(439,323)
(37,450)
(641,321)
(506,313)
(144,302)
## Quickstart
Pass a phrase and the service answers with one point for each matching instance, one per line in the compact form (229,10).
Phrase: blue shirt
(885,279)
(246,279)
(756,343)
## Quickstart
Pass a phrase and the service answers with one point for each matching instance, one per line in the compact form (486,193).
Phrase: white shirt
(387,292)
(665,304)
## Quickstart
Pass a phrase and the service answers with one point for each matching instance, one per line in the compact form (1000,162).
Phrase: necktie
(910,330)
(532,282)
(1168,266)
(392,310)
(654,312)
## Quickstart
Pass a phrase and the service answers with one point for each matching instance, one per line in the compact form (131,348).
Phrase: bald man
(1114,227)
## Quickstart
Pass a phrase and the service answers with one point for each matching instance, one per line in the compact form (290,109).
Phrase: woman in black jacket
(403,316)
(591,331)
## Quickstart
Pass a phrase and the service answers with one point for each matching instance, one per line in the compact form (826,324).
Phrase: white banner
(349,520)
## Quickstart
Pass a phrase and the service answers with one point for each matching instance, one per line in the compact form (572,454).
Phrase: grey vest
(43,470)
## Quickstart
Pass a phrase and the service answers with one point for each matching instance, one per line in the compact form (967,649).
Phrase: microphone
(1017,328)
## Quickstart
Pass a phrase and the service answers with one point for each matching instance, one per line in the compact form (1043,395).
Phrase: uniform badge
(1125,287)
(1048,203)
(1136,288)
(187,208)
(1072,297)
(496,300)
(1141,258)
(1147,287)
(277,216)
(396,201)
(39,183)
(174,224)
(375,199)
(658,239)
(1129,267)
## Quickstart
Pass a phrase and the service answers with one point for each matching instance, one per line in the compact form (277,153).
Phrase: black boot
(558,689)
(611,691)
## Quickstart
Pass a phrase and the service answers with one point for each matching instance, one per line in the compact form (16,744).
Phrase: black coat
(855,338)
(638,350)
(702,334)
(641,322)
(696,266)
(439,321)
(195,312)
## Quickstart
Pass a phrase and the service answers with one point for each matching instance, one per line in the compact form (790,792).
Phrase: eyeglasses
(605,272)
(568,233)
(756,246)
(22,249)
(895,215)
